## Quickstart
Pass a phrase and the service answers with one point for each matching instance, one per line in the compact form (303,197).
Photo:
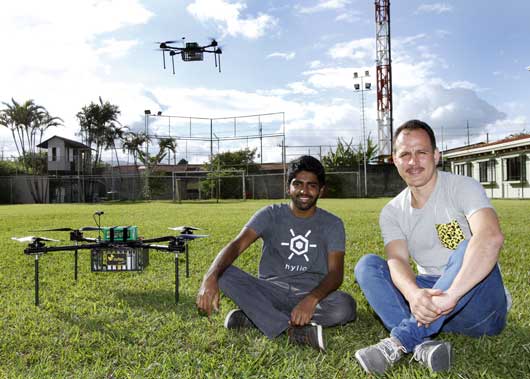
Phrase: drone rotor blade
(30,239)
(24,239)
(192,236)
(89,228)
(54,230)
(184,227)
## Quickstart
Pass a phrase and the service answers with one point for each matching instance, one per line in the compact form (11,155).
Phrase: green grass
(126,325)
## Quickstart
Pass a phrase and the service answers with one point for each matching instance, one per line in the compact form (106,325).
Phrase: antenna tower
(383,77)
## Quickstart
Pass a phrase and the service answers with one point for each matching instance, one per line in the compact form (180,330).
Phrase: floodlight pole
(362,89)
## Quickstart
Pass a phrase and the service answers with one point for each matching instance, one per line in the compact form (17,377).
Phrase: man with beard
(300,270)
(447,225)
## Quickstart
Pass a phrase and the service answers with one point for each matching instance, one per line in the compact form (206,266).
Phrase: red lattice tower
(383,77)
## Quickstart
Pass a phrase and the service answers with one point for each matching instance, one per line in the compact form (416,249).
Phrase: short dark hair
(306,163)
(415,125)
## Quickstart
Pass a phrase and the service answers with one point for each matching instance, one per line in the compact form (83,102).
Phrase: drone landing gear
(37,280)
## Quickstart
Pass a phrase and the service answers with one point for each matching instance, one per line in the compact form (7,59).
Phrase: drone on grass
(115,249)
(190,52)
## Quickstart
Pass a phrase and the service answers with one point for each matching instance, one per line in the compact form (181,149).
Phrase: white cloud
(434,8)
(450,108)
(228,18)
(324,5)
(350,16)
(361,50)
(286,56)
(58,58)
(116,49)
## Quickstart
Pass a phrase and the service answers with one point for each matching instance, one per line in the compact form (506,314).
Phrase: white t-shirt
(434,231)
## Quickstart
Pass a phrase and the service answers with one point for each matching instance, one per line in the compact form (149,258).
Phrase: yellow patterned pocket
(450,234)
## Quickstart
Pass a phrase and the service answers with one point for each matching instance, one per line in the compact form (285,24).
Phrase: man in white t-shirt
(446,224)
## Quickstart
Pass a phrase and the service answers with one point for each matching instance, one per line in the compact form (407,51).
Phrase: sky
(461,66)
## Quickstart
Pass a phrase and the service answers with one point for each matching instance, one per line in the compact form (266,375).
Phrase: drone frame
(191,52)
(176,244)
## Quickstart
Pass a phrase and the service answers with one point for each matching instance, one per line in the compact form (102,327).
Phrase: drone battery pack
(120,233)
(118,259)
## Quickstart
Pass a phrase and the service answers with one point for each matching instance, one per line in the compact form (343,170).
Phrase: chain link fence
(189,186)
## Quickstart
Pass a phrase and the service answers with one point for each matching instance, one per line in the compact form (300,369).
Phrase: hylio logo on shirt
(450,234)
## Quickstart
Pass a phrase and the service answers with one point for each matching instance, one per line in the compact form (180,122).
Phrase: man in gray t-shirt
(300,270)
(446,224)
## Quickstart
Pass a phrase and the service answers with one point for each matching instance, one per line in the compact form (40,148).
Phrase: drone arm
(34,250)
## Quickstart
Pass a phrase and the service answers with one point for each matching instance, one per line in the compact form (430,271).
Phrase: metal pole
(364,138)
(36,280)
(176,278)
(187,262)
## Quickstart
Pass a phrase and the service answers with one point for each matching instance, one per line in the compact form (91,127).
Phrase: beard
(301,205)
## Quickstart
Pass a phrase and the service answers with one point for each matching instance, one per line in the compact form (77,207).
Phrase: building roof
(481,148)
(67,142)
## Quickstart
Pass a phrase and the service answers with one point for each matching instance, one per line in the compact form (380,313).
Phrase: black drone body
(190,52)
(116,249)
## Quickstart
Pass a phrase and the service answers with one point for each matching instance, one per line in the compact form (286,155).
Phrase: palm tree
(27,121)
(131,143)
(99,125)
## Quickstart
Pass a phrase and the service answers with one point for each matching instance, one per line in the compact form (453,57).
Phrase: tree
(346,156)
(239,160)
(152,161)
(27,122)
(225,181)
(99,126)
(132,142)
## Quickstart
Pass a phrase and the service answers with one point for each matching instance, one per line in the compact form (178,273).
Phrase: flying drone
(190,52)
(115,249)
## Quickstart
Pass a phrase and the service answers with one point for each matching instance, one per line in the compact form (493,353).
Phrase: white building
(500,166)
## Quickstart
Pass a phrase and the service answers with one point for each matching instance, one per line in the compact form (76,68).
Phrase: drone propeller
(213,42)
(82,229)
(184,228)
(31,239)
(192,236)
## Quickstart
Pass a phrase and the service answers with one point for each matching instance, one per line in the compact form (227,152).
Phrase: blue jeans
(482,311)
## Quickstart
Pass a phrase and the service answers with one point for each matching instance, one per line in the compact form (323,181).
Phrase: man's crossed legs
(268,304)
(482,311)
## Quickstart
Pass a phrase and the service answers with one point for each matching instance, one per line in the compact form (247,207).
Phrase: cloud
(350,16)
(228,18)
(286,56)
(450,108)
(434,8)
(324,5)
(66,62)
(361,50)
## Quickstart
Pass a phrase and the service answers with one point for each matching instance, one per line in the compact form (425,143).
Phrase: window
(515,169)
(54,154)
(487,171)
(464,169)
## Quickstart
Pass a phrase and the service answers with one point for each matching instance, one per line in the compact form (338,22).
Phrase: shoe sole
(361,362)
(320,336)
(443,367)
(228,317)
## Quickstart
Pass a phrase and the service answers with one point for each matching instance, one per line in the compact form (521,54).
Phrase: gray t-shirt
(434,231)
(295,250)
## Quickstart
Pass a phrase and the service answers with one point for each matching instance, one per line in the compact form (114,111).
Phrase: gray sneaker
(377,358)
(310,334)
(435,355)
(237,319)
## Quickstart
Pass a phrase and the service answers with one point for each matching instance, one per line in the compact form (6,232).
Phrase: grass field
(126,325)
